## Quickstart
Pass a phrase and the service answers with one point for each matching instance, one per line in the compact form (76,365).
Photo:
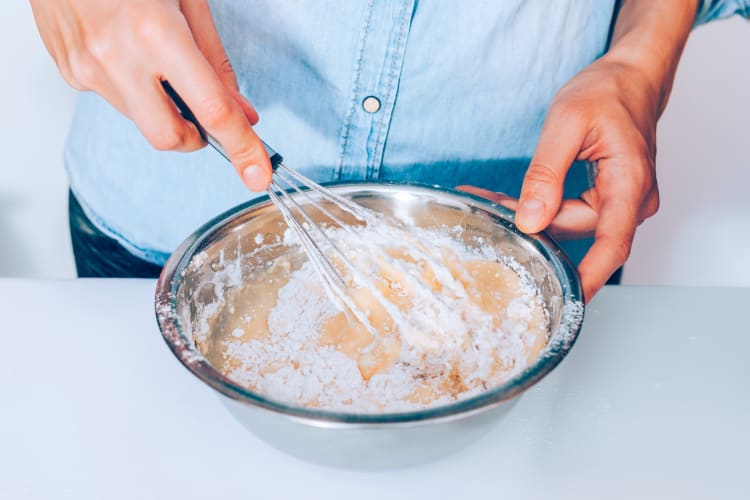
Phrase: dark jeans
(99,256)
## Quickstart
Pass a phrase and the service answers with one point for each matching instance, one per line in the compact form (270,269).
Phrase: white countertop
(652,402)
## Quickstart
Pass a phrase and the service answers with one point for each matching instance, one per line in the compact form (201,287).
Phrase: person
(505,99)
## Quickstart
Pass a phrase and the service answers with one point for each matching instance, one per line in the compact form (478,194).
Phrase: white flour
(463,326)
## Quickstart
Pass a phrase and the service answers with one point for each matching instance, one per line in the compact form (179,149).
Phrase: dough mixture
(441,325)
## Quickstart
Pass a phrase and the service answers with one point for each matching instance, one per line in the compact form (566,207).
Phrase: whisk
(285,186)
(284,181)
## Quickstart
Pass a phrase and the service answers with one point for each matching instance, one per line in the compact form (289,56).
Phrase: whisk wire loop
(334,284)
(337,287)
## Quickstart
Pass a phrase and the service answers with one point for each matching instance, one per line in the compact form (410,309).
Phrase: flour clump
(444,321)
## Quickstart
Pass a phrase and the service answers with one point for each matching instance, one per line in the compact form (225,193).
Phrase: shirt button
(371,104)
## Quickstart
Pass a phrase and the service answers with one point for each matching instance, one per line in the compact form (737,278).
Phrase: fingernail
(255,178)
(530,214)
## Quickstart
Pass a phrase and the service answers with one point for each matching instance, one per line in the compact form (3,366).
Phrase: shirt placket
(377,72)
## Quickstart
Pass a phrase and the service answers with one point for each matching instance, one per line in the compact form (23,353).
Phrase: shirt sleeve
(711,10)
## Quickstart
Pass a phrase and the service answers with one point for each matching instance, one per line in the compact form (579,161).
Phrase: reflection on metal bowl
(365,440)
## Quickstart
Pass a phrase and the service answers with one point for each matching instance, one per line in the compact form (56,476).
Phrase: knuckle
(76,85)
(644,176)
(227,74)
(540,174)
(67,75)
(191,140)
(215,110)
(84,70)
(166,139)
(102,49)
(651,206)
(247,153)
(145,28)
(226,67)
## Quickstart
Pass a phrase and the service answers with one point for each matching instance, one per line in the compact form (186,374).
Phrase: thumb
(198,16)
(542,189)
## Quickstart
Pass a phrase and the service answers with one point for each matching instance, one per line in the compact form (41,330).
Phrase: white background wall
(36,109)
(700,236)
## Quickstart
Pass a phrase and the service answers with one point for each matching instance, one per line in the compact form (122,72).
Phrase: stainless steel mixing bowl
(188,286)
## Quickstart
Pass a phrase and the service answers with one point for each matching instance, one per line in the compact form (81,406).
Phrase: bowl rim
(186,352)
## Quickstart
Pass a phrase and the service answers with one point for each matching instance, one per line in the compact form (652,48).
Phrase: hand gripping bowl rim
(186,352)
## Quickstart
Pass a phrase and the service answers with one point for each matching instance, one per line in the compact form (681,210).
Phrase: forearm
(649,37)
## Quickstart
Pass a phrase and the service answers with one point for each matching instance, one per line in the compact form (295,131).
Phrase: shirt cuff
(711,10)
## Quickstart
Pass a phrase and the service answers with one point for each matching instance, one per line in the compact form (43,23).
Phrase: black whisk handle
(187,114)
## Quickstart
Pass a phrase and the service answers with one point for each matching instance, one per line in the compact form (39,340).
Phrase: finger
(614,234)
(193,78)
(198,16)
(650,204)
(541,194)
(494,196)
(576,219)
(157,118)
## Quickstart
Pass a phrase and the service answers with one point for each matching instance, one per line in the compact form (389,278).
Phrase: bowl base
(367,446)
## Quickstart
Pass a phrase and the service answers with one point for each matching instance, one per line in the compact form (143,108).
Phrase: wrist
(649,38)
(653,76)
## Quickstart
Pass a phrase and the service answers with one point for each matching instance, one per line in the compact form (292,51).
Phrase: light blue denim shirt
(461,87)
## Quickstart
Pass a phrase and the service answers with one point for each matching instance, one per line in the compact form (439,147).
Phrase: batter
(440,325)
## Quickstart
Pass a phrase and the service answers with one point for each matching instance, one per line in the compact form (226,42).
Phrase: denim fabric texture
(99,256)
(463,89)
